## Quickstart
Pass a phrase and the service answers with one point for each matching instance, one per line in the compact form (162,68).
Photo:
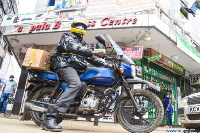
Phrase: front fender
(122,95)
(141,81)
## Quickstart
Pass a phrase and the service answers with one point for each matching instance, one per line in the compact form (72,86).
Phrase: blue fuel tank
(98,76)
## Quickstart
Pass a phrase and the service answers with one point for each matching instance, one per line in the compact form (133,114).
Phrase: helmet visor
(81,27)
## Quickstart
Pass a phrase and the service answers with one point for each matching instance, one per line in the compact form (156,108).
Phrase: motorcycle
(137,110)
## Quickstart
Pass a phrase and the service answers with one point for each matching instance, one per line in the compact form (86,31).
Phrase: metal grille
(181,117)
(193,116)
(180,111)
(194,100)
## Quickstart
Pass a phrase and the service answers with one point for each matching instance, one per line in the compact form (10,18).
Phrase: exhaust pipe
(36,108)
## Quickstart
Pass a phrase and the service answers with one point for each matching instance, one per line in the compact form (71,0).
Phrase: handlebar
(106,57)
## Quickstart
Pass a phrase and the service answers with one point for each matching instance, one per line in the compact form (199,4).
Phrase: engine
(91,100)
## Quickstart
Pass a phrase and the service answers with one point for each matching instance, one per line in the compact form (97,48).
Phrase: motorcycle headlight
(133,71)
(182,103)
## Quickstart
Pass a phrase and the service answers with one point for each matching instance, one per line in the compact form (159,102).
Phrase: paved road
(14,125)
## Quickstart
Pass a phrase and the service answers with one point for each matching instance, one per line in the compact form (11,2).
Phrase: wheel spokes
(129,109)
(149,109)
(145,120)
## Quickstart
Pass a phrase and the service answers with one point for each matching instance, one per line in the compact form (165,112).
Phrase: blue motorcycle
(104,91)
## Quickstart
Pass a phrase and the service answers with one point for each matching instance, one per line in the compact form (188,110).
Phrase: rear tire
(129,118)
(38,117)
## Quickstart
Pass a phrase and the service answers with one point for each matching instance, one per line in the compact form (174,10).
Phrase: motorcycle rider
(70,60)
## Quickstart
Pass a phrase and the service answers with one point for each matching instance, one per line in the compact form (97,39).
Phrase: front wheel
(148,119)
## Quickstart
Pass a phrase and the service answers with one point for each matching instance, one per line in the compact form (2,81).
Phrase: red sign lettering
(123,22)
(20,29)
(118,22)
(45,26)
(102,21)
(38,27)
(33,27)
(134,21)
(91,23)
(105,21)
(57,25)
(109,21)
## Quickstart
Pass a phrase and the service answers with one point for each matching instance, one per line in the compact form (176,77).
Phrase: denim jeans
(4,101)
(169,118)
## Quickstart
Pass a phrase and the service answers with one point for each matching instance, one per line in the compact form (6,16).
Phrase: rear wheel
(151,116)
(43,96)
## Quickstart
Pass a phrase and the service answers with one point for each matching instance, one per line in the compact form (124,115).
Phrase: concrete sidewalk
(14,125)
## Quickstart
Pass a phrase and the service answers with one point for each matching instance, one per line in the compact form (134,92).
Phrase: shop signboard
(24,18)
(65,25)
(40,27)
(133,52)
(178,67)
(159,74)
(155,57)
(39,17)
(188,49)
(101,8)
(150,53)
(68,15)
(43,27)
(108,22)
(127,6)
(61,5)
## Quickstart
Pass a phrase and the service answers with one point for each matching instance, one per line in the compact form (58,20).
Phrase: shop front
(127,31)
(163,73)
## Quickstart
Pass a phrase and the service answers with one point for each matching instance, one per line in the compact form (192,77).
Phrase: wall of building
(9,64)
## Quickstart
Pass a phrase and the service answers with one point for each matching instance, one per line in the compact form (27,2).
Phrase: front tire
(152,109)
(38,117)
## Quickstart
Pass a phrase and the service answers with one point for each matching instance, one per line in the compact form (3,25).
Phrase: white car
(189,111)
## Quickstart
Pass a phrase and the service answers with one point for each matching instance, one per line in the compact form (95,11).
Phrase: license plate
(194,109)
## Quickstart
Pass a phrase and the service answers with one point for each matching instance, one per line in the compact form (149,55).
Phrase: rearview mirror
(101,39)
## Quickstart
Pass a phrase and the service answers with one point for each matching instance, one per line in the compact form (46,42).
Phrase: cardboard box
(36,59)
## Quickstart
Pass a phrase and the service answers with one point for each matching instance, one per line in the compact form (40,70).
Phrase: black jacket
(72,52)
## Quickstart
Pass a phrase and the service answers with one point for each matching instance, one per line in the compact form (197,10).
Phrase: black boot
(49,122)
